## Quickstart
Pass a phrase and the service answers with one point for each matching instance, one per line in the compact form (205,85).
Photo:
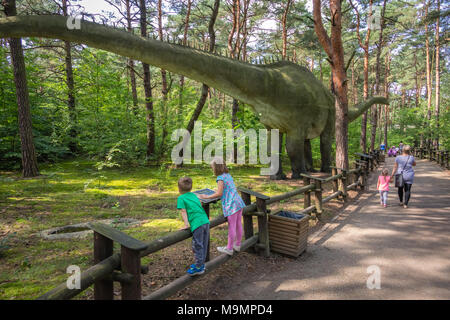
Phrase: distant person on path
(404,165)
(382,147)
(383,186)
(232,205)
(195,218)
(392,152)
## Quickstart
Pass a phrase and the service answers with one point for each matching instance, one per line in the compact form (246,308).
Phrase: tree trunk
(150,117)
(365,47)
(284,28)
(334,48)
(131,63)
(438,80)
(429,75)
(164,89)
(180,95)
(29,161)
(386,94)
(73,145)
(363,138)
(374,113)
(354,84)
(205,88)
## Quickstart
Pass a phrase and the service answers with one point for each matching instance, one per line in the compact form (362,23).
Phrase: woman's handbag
(399,183)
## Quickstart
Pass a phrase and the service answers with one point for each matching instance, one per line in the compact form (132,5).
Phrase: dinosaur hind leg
(295,147)
(308,156)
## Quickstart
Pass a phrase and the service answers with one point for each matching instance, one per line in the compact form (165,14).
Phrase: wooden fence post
(130,259)
(131,264)
(103,248)
(307,195)
(334,183)
(248,220)
(318,197)
(263,226)
(343,184)
(206,208)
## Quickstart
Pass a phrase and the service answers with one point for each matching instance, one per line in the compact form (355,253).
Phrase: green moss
(74,191)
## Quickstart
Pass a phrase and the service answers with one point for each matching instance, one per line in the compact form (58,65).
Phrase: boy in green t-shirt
(194,216)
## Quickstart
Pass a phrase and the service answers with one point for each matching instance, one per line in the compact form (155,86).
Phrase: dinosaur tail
(357,110)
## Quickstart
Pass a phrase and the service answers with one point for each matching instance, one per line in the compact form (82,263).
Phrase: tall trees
(29,161)
(374,113)
(73,145)
(150,118)
(205,88)
(233,49)
(429,72)
(185,35)
(438,79)
(131,61)
(333,47)
(365,46)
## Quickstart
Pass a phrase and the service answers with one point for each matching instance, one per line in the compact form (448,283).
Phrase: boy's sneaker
(237,248)
(385,205)
(194,271)
(225,250)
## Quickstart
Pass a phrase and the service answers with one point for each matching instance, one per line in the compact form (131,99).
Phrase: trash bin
(288,232)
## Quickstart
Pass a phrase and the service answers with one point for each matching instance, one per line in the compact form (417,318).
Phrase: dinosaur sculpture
(286,96)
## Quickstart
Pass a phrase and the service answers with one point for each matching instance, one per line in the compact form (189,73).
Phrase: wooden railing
(125,266)
(441,157)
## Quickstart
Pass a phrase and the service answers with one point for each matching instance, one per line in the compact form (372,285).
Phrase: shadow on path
(409,246)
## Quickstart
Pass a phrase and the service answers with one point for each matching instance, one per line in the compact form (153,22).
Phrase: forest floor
(73,192)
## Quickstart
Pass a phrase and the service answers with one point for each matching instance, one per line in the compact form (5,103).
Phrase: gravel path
(411,248)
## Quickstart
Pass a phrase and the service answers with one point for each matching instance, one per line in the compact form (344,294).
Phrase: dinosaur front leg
(326,141)
(325,152)
(279,175)
(295,146)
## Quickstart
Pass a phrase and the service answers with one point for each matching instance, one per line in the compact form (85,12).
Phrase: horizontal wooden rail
(185,280)
(332,196)
(105,270)
(290,194)
(88,277)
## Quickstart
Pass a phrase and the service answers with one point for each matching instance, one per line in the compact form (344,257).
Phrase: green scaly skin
(284,95)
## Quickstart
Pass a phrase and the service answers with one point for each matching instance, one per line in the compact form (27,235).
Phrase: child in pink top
(383,186)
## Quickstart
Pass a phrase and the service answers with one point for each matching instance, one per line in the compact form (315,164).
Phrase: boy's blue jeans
(384,196)
(200,239)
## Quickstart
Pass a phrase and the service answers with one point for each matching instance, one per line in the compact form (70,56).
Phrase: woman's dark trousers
(407,189)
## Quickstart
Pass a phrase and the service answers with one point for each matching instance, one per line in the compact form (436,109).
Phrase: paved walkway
(410,246)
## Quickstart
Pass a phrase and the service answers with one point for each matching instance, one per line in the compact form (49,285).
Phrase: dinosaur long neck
(229,76)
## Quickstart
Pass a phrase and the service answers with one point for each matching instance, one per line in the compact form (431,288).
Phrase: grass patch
(73,192)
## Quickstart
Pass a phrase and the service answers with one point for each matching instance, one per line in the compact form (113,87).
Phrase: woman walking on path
(404,166)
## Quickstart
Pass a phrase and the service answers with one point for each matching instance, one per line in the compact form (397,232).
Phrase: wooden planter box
(288,235)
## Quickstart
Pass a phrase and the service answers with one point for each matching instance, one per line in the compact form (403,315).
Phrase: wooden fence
(441,157)
(125,266)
